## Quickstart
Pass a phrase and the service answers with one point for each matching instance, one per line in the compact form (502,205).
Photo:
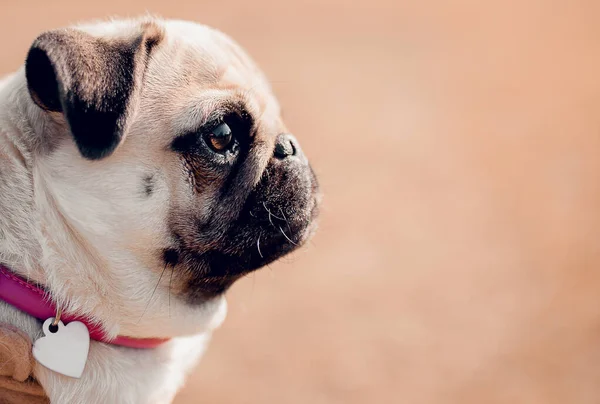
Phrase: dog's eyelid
(241,123)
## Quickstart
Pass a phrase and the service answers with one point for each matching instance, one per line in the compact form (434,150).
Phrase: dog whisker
(286,236)
(270,268)
(258,247)
(170,282)
(280,218)
(269,212)
(284,217)
(287,222)
(273,214)
(153,292)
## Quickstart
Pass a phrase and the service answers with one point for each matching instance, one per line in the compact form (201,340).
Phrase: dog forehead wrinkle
(200,107)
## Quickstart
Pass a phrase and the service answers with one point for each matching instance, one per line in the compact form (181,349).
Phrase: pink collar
(33,300)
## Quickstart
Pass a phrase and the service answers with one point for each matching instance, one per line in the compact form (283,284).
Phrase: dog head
(165,169)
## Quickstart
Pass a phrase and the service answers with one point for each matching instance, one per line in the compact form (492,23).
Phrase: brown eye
(220,138)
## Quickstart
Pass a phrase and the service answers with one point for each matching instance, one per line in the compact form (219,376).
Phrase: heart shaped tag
(63,348)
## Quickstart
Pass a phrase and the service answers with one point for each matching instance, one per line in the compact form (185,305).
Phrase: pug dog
(144,168)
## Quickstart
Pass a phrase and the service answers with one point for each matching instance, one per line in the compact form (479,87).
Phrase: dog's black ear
(92,81)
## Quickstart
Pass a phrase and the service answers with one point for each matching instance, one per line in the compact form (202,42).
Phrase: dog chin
(180,320)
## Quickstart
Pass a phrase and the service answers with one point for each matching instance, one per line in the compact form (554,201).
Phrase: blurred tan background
(458,147)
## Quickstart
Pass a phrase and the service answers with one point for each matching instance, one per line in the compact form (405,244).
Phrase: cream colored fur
(77,227)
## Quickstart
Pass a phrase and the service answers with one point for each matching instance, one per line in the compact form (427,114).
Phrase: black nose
(285,146)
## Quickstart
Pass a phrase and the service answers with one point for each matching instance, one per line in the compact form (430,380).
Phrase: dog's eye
(220,138)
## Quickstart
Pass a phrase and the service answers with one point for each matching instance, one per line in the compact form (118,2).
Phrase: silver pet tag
(63,348)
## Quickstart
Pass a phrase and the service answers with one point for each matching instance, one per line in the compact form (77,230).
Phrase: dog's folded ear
(92,81)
